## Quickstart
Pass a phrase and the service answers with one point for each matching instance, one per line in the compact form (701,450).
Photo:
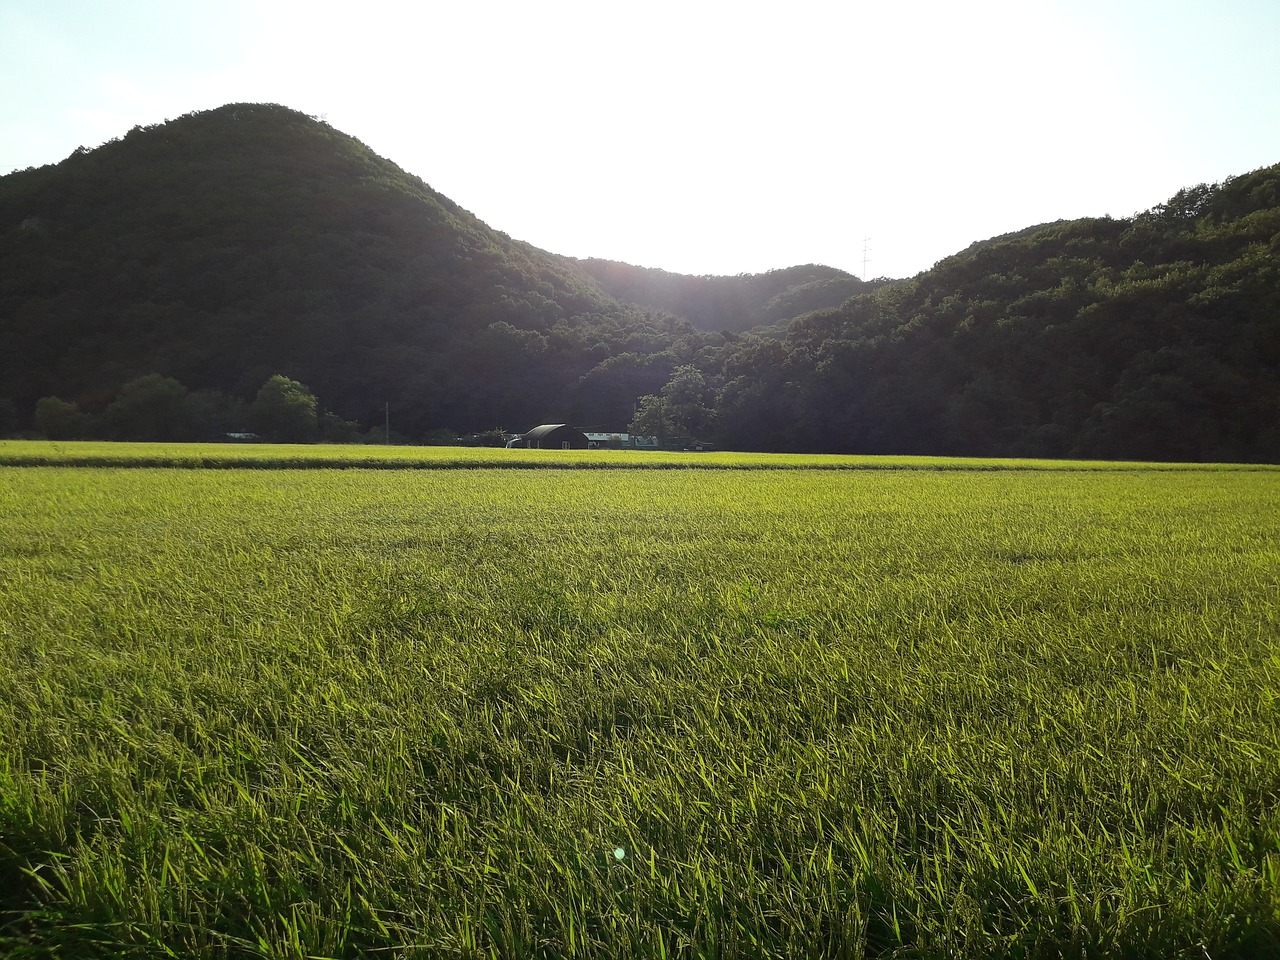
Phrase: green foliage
(151,407)
(929,713)
(284,411)
(680,415)
(60,419)
(331,428)
(1153,338)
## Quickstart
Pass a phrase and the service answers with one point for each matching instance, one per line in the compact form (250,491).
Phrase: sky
(698,136)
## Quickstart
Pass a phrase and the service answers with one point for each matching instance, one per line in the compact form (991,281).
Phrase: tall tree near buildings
(284,411)
(681,413)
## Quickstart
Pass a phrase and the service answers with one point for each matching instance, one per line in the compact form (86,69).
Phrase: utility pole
(387,434)
(865,251)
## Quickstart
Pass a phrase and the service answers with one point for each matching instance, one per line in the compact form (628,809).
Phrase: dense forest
(168,281)
(1152,337)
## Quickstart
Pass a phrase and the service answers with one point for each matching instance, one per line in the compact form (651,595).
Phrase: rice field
(887,710)
(267,456)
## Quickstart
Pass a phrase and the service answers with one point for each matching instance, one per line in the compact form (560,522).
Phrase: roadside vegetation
(961,713)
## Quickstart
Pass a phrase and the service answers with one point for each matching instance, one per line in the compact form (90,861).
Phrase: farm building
(552,436)
(622,441)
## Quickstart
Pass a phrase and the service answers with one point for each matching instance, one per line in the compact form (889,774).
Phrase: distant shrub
(60,419)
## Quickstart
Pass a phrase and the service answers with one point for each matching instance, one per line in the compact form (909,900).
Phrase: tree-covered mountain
(1152,337)
(200,258)
(224,247)
(227,246)
(735,303)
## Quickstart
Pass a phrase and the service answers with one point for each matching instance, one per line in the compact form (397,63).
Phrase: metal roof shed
(556,436)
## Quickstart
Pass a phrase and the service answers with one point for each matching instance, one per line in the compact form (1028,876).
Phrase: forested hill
(190,261)
(735,303)
(226,246)
(1152,337)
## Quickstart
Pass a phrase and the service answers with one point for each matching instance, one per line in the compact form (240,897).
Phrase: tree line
(159,408)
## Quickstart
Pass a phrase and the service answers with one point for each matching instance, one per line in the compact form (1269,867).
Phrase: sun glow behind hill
(700,138)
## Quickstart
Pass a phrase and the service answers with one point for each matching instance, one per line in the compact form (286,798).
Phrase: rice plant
(883,712)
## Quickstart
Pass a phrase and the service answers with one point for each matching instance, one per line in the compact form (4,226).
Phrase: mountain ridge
(313,255)
(228,246)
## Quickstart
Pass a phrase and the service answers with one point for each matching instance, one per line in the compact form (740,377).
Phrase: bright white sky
(699,136)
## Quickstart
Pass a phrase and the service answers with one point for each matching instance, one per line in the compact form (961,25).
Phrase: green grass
(862,713)
(43,453)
